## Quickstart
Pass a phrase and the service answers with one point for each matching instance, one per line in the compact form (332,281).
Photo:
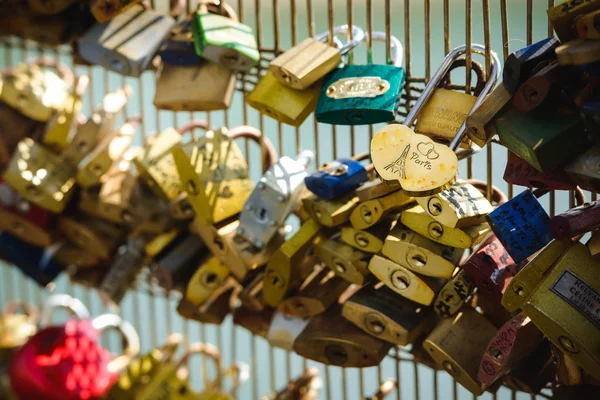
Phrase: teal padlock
(363,94)
(222,39)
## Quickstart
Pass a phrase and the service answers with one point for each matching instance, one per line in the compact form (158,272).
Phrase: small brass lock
(563,17)
(215,308)
(330,213)
(368,240)
(374,189)
(346,261)
(587,26)
(205,281)
(370,212)
(16,328)
(480,126)
(98,237)
(453,294)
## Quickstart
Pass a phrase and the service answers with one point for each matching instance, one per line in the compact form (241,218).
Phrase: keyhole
(366,214)
(336,354)
(435,230)
(286,77)
(374,323)
(361,239)
(419,260)
(219,243)
(518,289)
(494,352)
(399,280)
(262,215)
(211,279)
(339,267)
(434,206)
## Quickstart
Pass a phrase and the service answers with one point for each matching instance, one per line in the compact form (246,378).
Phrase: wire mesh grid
(428,29)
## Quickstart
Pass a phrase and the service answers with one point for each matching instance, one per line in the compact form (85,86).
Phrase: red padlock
(67,362)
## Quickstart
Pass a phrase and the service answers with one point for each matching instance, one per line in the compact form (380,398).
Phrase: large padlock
(420,254)
(99,238)
(519,172)
(346,261)
(454,294)
(331,339)
(363,94)
(564,306)
(338,177)
(292,263)
(524,63)
(127,43)
(305,387)
(563,16)
(222,39)
(126,265)
(304,64)
(16,328)
(333,212)
(369,240)
(275,196)
(585,171)
(15,127)
(420,289)
(379,311)
(457,344)
(372,211)
(105,10)
(284,329)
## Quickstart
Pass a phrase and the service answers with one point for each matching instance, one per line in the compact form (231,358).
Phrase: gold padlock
(457,344)
(41,176)
(205,281)
(379,311)
(372,211)
(419,289)
(369,240)
(480,128)
(330,213)
(292,263)
(454,294)
(70,254)
(375,188)
(98,237)
(317,293)
(331,339)
(214,309)
(417,219)
(256,322)
(346,261)
(26,230)
(459,206)
(419,254)
(565,307)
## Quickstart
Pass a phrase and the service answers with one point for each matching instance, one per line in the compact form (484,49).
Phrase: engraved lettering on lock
(579,295)
(367,86)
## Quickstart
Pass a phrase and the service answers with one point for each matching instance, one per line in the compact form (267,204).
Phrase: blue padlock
(337,177)
(38,263)
(521,225)
(178,49)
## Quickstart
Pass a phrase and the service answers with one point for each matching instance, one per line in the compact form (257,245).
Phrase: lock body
(360,95)
(480,127)
(105,10)
(346,261)
(562,17)
(127,43)
(370,212)
(205,86)
(369,240)
(127,263)
(62,124)
(330,213)
(375,188)
(521,64)
(585,171)
(99,238)
(272,98)
(178,48)
(519,172)
(336,178)
(205,281)
(214,309)
(15,127)
(453,294)
(576,221)
(284,329)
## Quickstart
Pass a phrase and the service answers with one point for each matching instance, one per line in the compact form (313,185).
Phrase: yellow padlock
(372,211)
(330,213)
(346,261)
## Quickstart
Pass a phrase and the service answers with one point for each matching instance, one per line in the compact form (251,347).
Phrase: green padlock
(223,39)
(363,94)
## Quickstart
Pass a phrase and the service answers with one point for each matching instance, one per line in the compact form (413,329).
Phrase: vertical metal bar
(328,382)
(272,367)
(330,21)
(435,385)
(446,26)
(427,40)
(415,366)
(388,32)
(407,43)
(344,383)
(529,22)
(361,382)
(550,29)
(505,53)
(398,373)
(254,365)
(488,67)
(294,33)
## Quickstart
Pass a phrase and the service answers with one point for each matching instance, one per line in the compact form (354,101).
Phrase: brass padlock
(453,294)
(321,289)
(284,329)
(457,345)
(346,261)
(256,322)
(206,280)
(127,263)
(587,25)
(372,211)
(215,308)
(459,206)
(333,212)
(564,306)
(374,189)
(100,238)
(584,170)
(419,289)
(480,127)
(71,254)
(563,16)
(41,176)
(420,254)
(305,387)
(417,219)
(331,339)
(379,311)
(371,239)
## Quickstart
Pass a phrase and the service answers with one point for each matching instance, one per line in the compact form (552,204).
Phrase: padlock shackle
(193,124)
(64,72)
(358,35)
(396,50)
(218,7)
(27,308)
(132,340)
(239,373)
(73,305)
(493,76)
(305,157)
(361,156)
(249,132)
(209,350)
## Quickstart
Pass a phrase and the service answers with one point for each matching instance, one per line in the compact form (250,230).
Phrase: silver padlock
(127,263)
(273,199)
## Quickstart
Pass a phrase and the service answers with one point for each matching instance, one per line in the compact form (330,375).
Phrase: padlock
(69,254)
(305,387)
(51,7)
(519,172)
(336,178)
(588,26)
(420,254)
(215,308)
(222,39)
(98,237)
(370,212)
(510,346)
(126,264)
(582,54)
(585,171)
(15,127)
(88,277)
(17,328)
(438,119)
(457,345)
(346,261)
(51,364)
(178,47)
(546,83)
(330,339)
(531,274)
(417,220)
(576,221)
(110,149)
(208,277)
(292,263)
(310,60)
(384,390)
(563,17)
(379,311)
(369,240)
(523,64)
(363,94)
(284,329)
(568,372)
(564,307)
(480,127)
(105,10)
(330,213)
(491,269)
(59,29)
(582,391)
(275,196)
(35,262)
(36,91)
(521,225)
(420,289)
(127,43)
(256,322)
(374,189)
(321,289)
(453,294)
(533,374)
